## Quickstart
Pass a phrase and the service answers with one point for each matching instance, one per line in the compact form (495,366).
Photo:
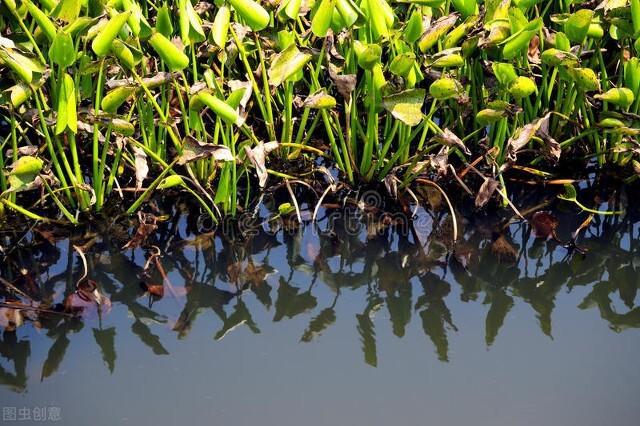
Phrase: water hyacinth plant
(120,99)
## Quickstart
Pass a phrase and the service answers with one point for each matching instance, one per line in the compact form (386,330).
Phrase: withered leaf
(391,183)
(448,138)
(487,189)
(257,156)
(193,150)
(345,83)
(523,135)
(142,167)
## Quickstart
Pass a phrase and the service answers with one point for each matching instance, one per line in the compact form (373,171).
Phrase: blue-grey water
(311,327)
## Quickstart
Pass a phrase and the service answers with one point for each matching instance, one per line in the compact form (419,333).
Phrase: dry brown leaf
(448,138)
(193,150)
(485,192)
(523,135)
(533,53)
(345,83)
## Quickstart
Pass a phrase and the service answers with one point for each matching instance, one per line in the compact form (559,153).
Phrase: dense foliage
(103,97)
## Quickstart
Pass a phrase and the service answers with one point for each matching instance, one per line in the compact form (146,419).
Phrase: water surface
(332,324)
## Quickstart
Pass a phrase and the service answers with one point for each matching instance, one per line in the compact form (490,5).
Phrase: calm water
(324,326)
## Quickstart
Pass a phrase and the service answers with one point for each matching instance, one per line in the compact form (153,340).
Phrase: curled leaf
(485,192)
(193,150)
(257,156)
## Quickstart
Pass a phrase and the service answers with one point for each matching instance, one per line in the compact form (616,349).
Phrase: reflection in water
(404,277)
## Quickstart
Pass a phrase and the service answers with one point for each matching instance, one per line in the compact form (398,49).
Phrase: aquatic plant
(115,100)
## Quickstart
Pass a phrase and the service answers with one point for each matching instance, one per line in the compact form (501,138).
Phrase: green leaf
(286,63)
(24,172)
(253,14)
(67,10)
(518,43)
(320,100)
(368,54)
(45,24)
(101,45)
(220,28)
(505,73)
(171,181)
(66,117)
(413,28)
(163,21)
(24,66)
(402,64)
(116,97)
(406,106)
(62,51)
(227,113)
(171,54)
(445,88)
(436,31)
(190,24)
(622,97)
(577,26)
(586,79)
(465,7)
(570,193)
(321,21)
(522,87)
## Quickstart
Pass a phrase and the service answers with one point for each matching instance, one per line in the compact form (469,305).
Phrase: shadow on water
(400,275)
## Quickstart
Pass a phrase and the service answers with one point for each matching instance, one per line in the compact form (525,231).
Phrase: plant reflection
(400,276)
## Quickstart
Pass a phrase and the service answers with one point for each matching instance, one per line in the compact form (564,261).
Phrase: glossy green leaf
(286,63)
(505,73)
(320,100)
(171,54)
(321,21)
(522,87)
(586,79)
(62,51)
(46,25)
(577,26)
(465,7)
(252,13)
(218,106)
(66,112)
(220,28)
(413,28)
(368,54)
(622,97)
(116,97)
(445,88)
(190,23)
(101,45)
(163,21)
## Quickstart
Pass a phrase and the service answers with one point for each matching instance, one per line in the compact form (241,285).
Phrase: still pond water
(331,326)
